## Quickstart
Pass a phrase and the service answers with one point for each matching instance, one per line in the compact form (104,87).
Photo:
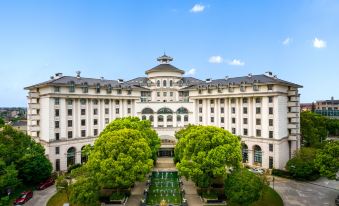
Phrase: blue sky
(296,39)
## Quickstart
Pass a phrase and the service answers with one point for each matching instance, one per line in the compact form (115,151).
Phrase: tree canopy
(243,187)
(313,129)
(205,152)
(327,159)
(27,156)
(2,122)
(302,165)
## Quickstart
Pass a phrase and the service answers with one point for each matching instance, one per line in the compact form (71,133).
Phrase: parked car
(337,200)
(24,197)
(43,185)
(257,170)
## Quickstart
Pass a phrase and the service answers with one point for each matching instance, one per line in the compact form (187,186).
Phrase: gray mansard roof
(259,79)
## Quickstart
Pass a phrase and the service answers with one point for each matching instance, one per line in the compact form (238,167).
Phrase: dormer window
(97,88)
(85,87)
(119,91)
(270,87)
(71,87)
(109,89)
(230,87)
(242,87)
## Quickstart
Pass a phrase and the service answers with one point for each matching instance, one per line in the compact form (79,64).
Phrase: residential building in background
(20,125)
(328,108)
(66,113)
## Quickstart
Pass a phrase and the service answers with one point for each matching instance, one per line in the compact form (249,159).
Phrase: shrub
(302,165)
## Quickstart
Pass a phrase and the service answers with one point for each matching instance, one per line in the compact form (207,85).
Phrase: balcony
(34,117)
(292,93)
(34,128)
(295,99)
(33,95)
(292,115)
(34,106)
(292,126)
(292,104)
(292,137)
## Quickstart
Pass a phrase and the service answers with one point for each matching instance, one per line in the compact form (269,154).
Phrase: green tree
(8,177)
(243,187)
(85,191)
(62,184)
(205,153)
(143,126)
(327,159)
(313,129)
(2,122)
(302,165)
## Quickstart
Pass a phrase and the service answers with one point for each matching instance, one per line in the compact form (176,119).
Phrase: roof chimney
(120,81)
(269,73)
(78,74)
(57,75)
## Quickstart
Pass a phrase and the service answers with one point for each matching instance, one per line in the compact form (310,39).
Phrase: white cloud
(191,72)
(216,59)
(287,41)
(197,8)
(318,43)
(236,62)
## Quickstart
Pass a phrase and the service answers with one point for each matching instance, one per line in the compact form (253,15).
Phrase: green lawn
(270,198)
(58,199)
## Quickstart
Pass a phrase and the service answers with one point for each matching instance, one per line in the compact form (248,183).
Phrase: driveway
(294,193)
(41,197)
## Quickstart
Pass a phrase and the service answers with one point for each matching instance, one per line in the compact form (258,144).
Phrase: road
(41,197)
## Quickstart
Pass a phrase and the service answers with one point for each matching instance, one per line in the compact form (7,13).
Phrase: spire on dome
(164,59)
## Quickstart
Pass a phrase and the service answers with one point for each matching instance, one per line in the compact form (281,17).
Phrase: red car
(24,197)
(45,184)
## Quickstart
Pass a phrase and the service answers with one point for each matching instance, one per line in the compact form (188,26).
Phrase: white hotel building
(66,113)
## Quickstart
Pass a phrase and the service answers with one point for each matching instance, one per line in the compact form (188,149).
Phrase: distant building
(329,108)
(306,106)
(68,112)
(20,125)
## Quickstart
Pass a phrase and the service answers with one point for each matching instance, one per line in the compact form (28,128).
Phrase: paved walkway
(165,163)
(295,193)
(41,197)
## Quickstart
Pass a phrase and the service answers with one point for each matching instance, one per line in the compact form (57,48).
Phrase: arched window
(71,87)
(165,110)
(84,155)
(158,83)
(244,153)
(169,118)
(257,155)
(109,89)
(178,118)
(70,156)
(182,110)
(171,83)
(97,88)
(164,83)
(143,117)
(95,101)
(147,111)
(186,118)
(160,118)
(151,118)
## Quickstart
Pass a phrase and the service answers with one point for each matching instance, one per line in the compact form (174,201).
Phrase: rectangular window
(270,122)
(158,94)
(165,94)
(69,112)
(244,100)
(83,122)
(83,111)
(200,109)
(212,109)
(171,94)
(56,89)
(200,101)
(117,102)
(233,130)
(106,120)
(233,110)
(56,112)
(244,110)
(95,121)
(56,101)
(57,165)
(129,101)
(95,111)
(69,123)
(270,133)
(212,101)
(83,133)
(57,136)
(106,110)
(222,101)
(270,87)
(70,134)
(57,150)
(258,133)
(69,102)
(129,110)
(129,92)
(212,119)
(116,110)
(233,120)
(95,132)
(257,110)
(245,132)
(258,100)
(106,101)
(56,124)
(245,120)
(270,99)
(200,119)
(270,165)
(258,121)
(232,100)
(222,110)
(222,119)
(270,110)
(270,147)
